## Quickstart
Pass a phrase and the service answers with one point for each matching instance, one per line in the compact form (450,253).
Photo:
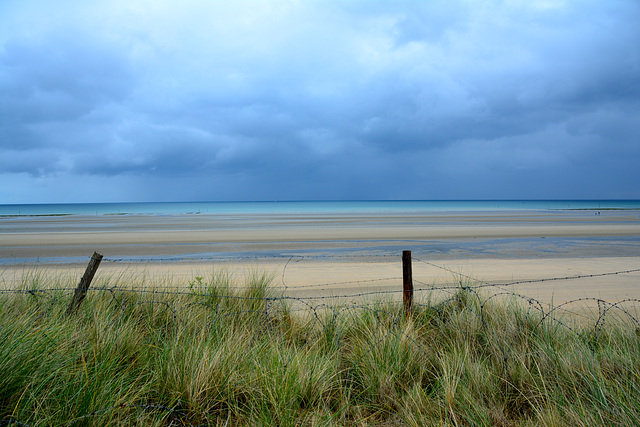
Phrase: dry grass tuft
(224,354)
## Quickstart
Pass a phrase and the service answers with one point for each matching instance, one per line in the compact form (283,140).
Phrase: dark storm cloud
(59,78)
(338,99)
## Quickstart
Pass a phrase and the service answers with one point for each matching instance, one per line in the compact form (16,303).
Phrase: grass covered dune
(229,354)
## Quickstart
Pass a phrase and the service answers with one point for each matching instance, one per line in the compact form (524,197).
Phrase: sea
(310,207)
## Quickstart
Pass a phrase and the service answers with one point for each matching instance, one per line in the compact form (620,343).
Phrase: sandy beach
(323,255)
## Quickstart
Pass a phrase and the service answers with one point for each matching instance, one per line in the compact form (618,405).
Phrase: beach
(328,254)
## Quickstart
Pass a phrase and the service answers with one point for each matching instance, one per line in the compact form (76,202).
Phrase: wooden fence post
(407,281)
(85,282)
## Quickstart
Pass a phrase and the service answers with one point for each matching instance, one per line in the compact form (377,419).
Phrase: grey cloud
(58,78)
(36,163)
(302,100)
(69,64)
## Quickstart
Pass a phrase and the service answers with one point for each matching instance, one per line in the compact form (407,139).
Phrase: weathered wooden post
(85,282)
(407,281)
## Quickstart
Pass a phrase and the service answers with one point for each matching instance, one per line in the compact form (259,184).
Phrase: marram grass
(226,354)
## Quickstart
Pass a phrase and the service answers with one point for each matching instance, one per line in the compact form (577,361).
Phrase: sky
(134,100)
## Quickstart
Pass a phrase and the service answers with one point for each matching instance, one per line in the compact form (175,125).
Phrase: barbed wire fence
(316,306)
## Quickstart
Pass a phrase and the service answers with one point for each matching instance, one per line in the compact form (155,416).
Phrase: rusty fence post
(407,281)
(85,282)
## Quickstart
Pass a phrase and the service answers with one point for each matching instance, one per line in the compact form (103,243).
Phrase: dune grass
(229,354)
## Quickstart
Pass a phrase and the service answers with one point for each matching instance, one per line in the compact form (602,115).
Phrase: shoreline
(190,214)
(441,235)
(364,212)
(344,253)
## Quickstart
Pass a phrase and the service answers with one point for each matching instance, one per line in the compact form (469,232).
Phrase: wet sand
(323,255)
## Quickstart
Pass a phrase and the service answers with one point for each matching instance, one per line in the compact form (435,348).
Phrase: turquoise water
(327,207)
